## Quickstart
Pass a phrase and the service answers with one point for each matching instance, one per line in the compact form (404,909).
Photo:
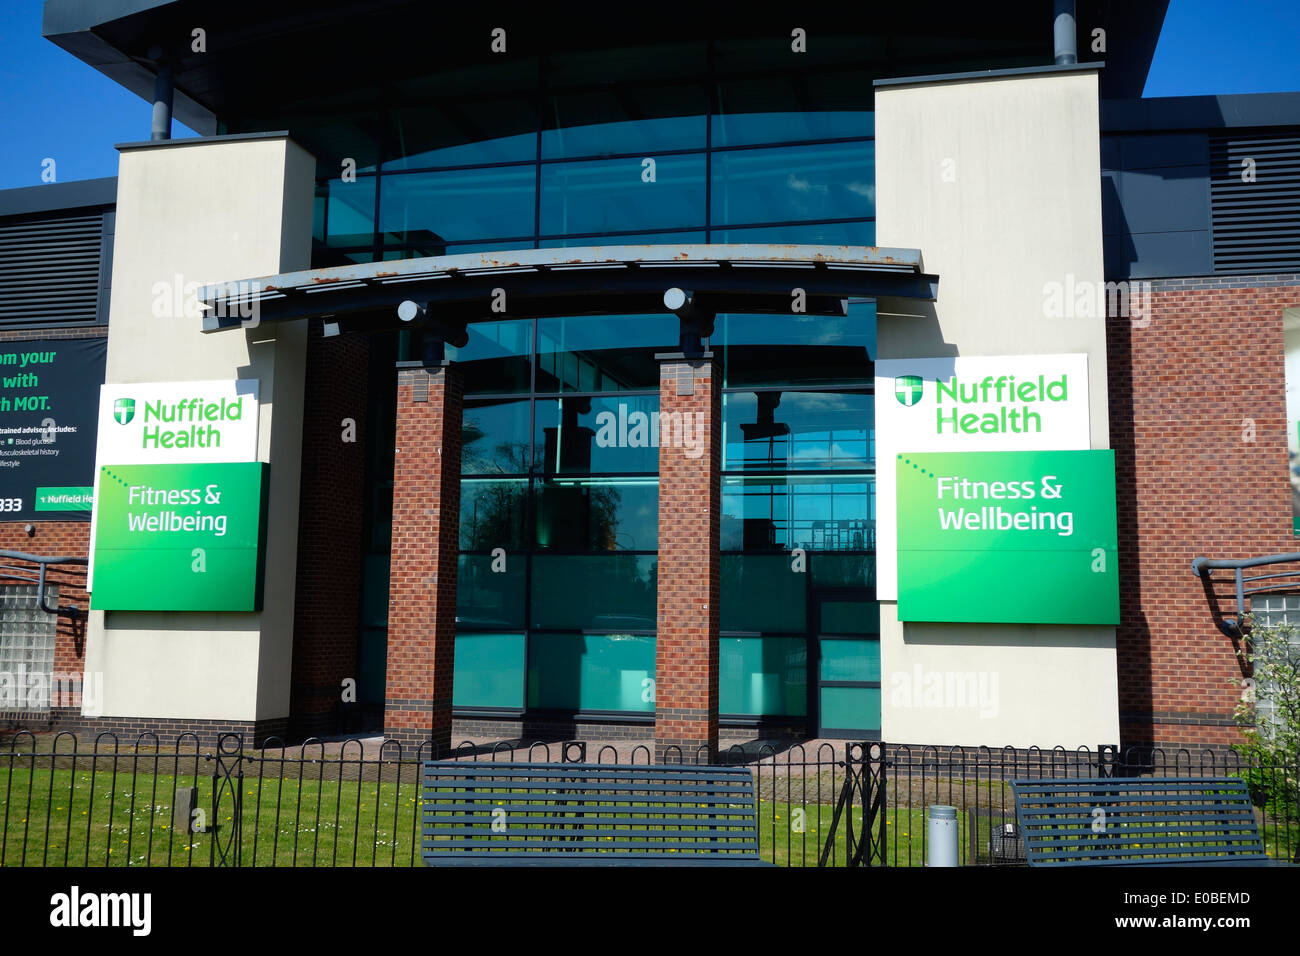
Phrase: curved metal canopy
(488,286)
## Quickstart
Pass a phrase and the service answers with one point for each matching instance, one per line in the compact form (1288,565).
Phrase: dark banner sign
(49,403)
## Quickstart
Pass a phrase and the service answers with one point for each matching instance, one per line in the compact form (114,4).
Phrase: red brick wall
(327,603)
(1181,389)
(422,573)
(62,539)
(686,645)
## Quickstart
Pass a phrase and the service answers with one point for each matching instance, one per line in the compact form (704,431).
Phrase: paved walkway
(756,750)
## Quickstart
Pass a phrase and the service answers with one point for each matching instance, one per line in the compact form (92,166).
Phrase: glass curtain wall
(559,515)
(798,516)
(684,144)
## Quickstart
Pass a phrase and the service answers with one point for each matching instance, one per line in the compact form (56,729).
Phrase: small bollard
(941,836)
(183,809)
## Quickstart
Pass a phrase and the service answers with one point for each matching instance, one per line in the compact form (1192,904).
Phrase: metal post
(162,104)
(941,836)
(1063,40)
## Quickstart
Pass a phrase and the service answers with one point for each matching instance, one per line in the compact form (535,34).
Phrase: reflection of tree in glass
(492,511)
(505,458)
(491,515)
(581,518)
(603,510)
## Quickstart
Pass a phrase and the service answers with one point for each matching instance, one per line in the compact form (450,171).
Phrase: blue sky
(1226,46)
(54,106)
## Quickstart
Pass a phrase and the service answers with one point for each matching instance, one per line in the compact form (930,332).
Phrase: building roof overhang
(594,280)
(263,63)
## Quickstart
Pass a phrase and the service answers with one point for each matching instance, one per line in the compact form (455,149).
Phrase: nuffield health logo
(124,410)
(907,389)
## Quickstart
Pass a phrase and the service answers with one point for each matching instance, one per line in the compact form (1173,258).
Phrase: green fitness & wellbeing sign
(180,537)
(1014,537)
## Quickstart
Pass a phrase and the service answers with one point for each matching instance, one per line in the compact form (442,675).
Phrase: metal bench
(1139,821)
(480,813)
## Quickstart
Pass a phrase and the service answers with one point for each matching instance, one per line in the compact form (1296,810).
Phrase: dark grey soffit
(57,197)
(591,280)
(1232,111)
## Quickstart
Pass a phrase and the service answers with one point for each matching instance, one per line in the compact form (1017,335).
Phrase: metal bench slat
(458,770)
(558,844)
(662,824)
(674,792)
(1147,821)
(1236,831)
(598,813)
(623,812)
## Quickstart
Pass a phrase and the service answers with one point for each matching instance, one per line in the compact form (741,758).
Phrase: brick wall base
(128,729)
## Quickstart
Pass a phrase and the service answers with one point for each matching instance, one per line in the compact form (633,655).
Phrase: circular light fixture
(674,299)
(407,311)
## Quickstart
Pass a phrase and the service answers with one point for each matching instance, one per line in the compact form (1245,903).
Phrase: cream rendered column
(188,212)
(996,178)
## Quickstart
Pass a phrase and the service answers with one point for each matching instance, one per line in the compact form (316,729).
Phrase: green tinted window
(435,133)
(350,212)
(763,675)
(493,513)
(496,358)
(494,438)
(828,181)
(462,204)
(843,570)
(851,708)
(591,672)
(603,591)
(850,660)
(620,195)
(374,590)
(800,430)
(602,353)
(762,593)
(797,349)
(691,237)
(816,514)
(634,119)
(372,665)
(489,670)
(597,514)
(743,129)
(601,434)
(488,598)
(859,233)
(850,617)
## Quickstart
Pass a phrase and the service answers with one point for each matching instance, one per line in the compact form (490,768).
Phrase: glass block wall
(26,646)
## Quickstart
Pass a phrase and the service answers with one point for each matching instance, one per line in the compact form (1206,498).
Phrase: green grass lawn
(307,823)
(312,823)
(287,822)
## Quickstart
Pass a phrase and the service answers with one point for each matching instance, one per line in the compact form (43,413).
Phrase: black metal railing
(149,802)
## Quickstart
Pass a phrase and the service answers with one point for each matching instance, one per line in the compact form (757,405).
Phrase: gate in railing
(864,786)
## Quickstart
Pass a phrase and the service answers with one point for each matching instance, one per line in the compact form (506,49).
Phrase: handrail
(75,613)
(1202,567)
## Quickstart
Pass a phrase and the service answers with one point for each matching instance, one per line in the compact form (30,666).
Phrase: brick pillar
(686,649)
(422,575)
